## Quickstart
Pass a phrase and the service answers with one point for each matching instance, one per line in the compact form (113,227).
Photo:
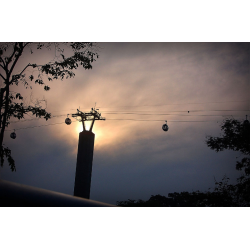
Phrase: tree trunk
(8,72)
(4,116)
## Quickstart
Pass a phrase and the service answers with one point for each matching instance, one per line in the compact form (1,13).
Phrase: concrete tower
(85,154)
(84,164)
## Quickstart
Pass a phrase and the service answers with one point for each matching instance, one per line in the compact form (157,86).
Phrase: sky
(137,87)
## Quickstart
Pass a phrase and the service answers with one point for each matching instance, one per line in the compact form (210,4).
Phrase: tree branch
(14,63)
(28,65)
(26,44)
(2,66)
(2,76)
(10,58)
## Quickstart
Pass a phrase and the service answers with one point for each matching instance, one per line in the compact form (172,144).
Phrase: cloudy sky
(137,87)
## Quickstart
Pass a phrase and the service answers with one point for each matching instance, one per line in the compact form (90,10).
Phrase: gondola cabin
(165,127)
(13,135)
(68,121)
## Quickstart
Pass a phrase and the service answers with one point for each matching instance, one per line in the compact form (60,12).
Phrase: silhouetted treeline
(224,195)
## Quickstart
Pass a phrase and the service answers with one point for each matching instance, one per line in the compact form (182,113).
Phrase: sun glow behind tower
(79,127)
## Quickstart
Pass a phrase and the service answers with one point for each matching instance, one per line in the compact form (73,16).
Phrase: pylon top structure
(90,116)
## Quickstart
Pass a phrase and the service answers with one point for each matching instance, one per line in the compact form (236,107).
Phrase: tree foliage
(236,137)
(223,195)
(61,66)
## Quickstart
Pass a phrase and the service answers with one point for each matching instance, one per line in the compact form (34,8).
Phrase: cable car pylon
(85,152)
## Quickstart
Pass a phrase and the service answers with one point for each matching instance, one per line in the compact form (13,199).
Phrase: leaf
(39,81)
(18,95)
(6,152)
(46,88)
(39,46)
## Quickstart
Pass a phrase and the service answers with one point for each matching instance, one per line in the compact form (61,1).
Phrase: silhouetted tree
(154,201)
(236,136)
(61,66)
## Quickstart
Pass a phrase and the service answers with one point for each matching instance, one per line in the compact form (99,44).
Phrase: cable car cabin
(13,135)
(68,121)
(165,127)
